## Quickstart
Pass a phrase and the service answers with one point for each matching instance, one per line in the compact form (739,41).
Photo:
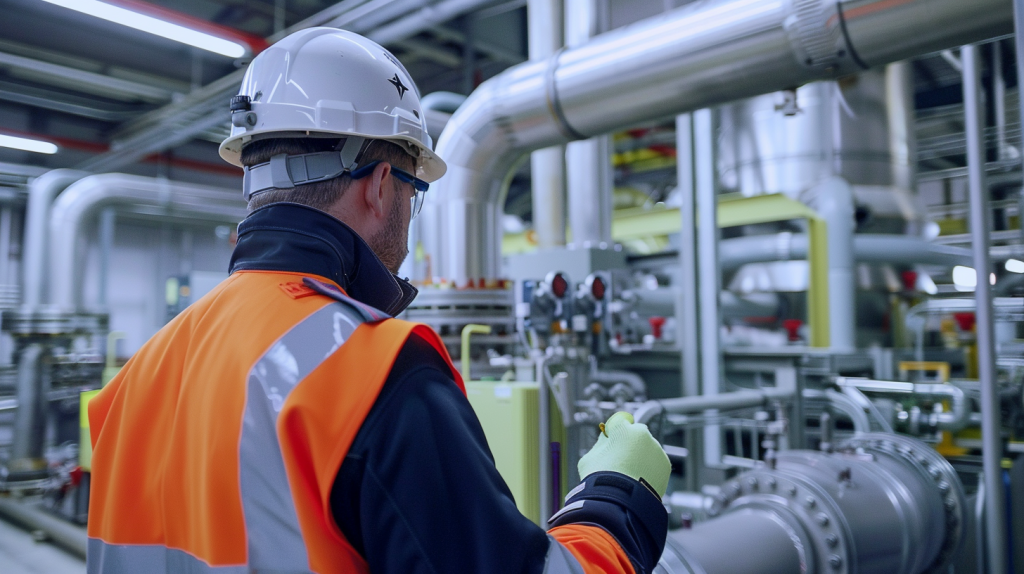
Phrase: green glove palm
(627,447)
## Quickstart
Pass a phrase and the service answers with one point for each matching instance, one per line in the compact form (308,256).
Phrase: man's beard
(391,244)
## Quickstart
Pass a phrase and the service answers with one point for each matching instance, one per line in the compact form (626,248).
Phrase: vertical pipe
(686,306)
(547,166)
(5,245)
(835,205)
(992,447)
(543,439)
(107,219)
(590,181)
(28,434)
(899,106)
(707,270)
(999,97)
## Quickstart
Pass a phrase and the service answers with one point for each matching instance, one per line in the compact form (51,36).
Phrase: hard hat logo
(397,83)
(289,95)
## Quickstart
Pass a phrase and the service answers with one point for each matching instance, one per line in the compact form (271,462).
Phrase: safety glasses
(419,186)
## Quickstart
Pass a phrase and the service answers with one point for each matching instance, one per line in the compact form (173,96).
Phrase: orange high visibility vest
(216,447)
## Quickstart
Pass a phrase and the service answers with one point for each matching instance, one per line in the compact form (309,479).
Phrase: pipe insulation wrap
(882,503)
(89,195)
(701,54)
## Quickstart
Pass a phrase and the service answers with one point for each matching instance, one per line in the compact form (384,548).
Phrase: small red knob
(792,327)
(656,324)
(909,280)
(965,321)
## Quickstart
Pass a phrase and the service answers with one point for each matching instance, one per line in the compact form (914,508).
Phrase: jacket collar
(295,238)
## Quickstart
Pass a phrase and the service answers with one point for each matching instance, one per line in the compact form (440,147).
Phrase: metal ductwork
(149,196)
(702,54)
(881,504)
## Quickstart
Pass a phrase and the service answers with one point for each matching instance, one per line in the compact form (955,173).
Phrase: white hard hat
(328,82)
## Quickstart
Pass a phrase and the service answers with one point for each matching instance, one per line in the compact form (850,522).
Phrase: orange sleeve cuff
(595,549)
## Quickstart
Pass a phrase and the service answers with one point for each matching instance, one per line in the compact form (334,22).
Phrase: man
(285,423)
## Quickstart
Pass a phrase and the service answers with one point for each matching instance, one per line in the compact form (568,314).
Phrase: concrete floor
(19,554)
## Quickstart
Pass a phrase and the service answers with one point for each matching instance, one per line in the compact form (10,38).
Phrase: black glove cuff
(626,508)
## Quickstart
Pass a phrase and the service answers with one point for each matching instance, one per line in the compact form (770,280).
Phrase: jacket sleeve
(418,492)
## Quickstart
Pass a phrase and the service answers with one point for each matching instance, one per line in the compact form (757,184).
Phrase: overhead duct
(699,55)
(41,194)
(158,197)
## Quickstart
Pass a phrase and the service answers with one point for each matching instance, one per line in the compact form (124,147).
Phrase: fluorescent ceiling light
(154,26)
(26,144)
(1015,266)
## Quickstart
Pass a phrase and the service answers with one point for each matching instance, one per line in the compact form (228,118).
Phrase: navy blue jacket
(418,491)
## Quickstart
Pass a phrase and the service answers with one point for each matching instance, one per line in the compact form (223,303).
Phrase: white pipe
(41,193)
(547,166)
(834,201)
(743,399)
(33,518)
(699,55)
(28,433)
(634,380)
(980,221)
(873,248)
(87,197)
(589,177)
(953,420)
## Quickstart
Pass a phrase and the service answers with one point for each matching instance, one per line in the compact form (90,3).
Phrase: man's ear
(373,193)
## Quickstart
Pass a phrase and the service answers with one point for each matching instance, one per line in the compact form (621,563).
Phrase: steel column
(980,217)
(686,287)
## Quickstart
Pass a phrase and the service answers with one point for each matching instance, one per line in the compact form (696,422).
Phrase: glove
(628,448)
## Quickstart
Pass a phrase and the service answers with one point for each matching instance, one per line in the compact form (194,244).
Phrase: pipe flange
(937,469)
(815,30)
(813,515)
(42,321)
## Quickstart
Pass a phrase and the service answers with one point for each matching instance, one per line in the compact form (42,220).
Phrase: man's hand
(628,448)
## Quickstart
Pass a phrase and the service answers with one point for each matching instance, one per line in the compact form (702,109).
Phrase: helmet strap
(287,171)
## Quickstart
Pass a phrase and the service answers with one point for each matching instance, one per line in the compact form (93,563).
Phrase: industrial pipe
(27,451)
(954,420)
(661,302)
(160,196)
(41,193)
(881,504)
(833,199)
(873,248)
(744,399)
(980,222)
(698,55)
(65,534)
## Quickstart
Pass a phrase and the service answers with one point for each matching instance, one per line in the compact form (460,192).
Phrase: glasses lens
(417,203)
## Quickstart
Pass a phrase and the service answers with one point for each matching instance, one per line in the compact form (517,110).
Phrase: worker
(285,422)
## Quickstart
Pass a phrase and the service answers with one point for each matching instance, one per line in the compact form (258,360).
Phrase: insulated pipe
(698,55)
(834,202)
(33,518)
(881,248)
(589,179)
(446,102)
(27,451)
(980,222)
(90,195)
(662,302)
(41,193)
(547,166)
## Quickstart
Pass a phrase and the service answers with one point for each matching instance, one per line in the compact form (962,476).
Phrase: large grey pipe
(699,55)
(881,248)
(27,451)
(161,197)
(883,504)
(41,193)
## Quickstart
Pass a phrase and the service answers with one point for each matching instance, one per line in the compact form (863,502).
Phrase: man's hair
(323,194)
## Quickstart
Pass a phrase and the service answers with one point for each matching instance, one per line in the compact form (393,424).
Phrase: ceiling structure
(117,99)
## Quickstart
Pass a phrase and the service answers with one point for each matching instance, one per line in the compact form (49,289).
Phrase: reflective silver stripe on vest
(275,543)
(560,560)
(148,559)
(271,522)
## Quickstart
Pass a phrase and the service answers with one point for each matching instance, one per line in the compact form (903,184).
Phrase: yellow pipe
(467,331)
